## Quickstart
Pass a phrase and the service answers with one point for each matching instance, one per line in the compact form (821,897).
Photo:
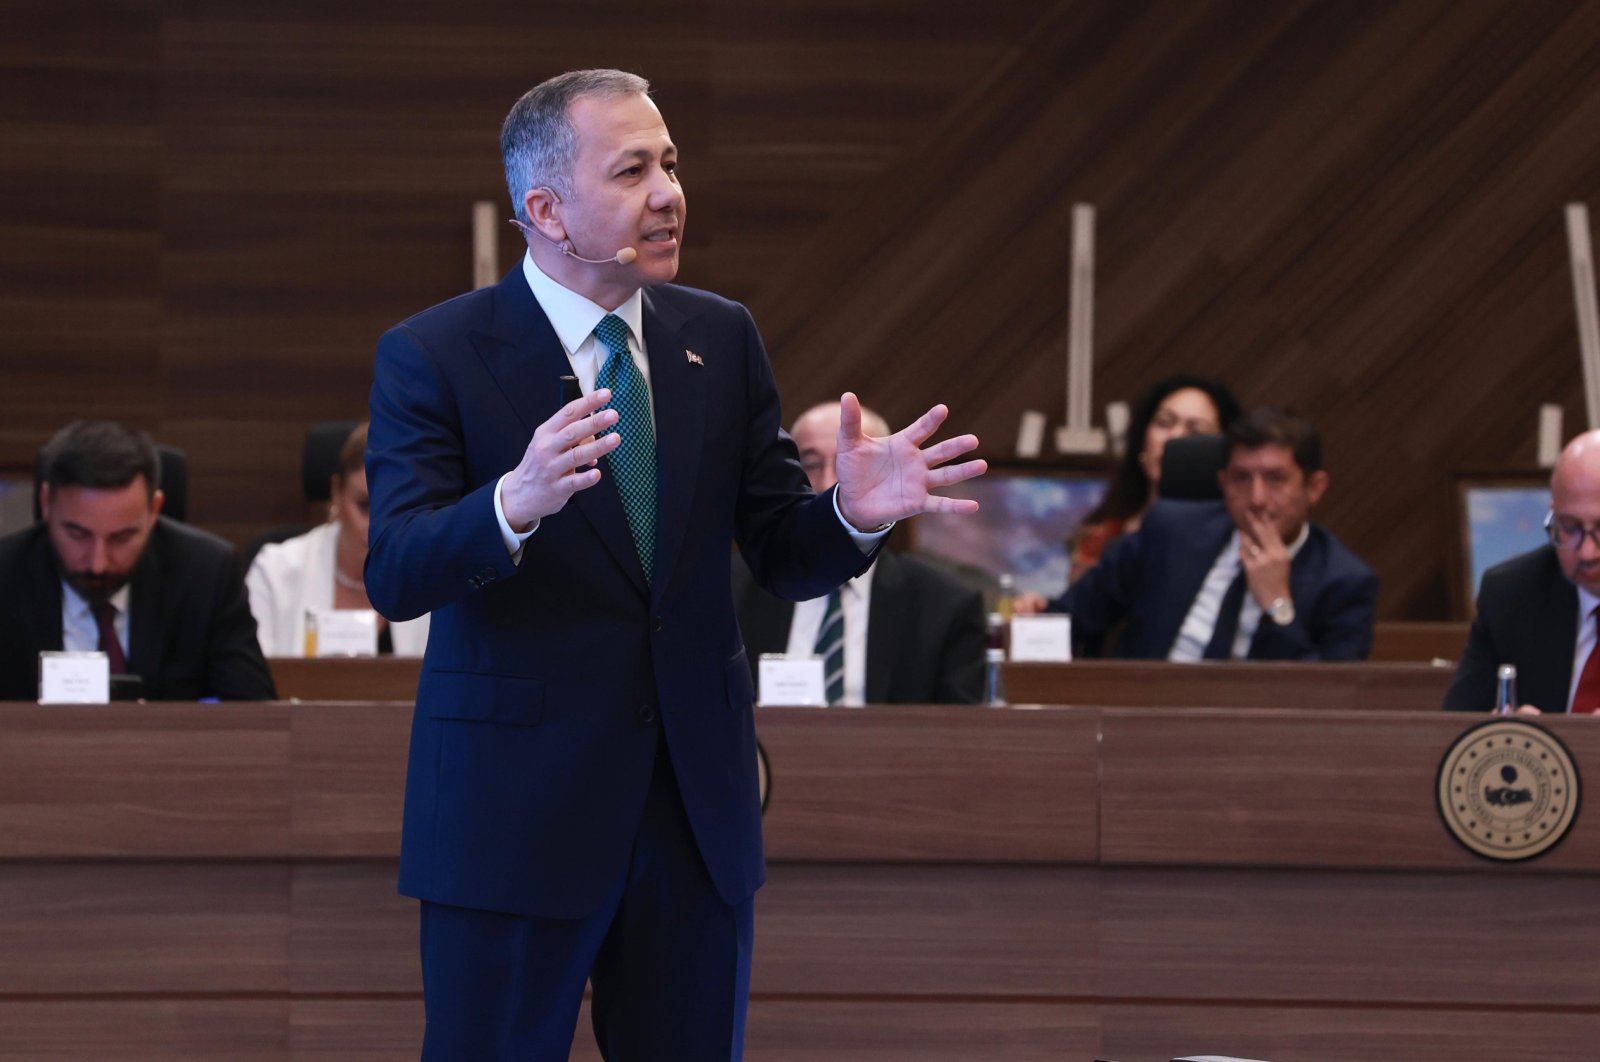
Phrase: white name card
(791,680)
(344,631)
(1041,639)
(74,678)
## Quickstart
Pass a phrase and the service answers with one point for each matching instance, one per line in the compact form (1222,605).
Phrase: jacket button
(659,625)
(647,713)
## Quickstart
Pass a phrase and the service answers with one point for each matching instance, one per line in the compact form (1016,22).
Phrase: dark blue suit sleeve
(433,538)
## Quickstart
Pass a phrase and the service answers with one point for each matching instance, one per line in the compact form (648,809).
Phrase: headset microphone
(623,256)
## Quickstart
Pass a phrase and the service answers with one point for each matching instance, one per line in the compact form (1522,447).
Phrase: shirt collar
(78,605)
(1587,603)
(572,315)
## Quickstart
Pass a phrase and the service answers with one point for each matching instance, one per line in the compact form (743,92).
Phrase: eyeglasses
(1569,534)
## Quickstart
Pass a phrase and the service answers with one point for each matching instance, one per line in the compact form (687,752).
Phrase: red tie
(105,616)
(1586,699)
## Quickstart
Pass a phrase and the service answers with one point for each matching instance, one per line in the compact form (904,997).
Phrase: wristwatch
(1282,611)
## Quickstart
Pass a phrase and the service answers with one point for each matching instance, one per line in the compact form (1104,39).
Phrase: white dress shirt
(79,631)
(855,601)
(573,317)
(1201,622)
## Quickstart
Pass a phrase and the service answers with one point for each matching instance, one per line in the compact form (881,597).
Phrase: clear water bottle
(1505,690)
(994,682)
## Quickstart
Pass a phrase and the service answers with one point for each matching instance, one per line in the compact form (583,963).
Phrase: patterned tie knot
(613,332)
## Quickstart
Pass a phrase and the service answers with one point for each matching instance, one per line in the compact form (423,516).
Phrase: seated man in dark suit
(908,634)
(105,571)
(1245,578)
(1537,610)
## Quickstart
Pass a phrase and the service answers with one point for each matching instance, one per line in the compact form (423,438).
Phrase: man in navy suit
(1249,577)
(581,800)
(1537,611)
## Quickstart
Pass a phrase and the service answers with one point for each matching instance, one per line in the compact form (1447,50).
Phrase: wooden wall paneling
(147,781)
(349,763)
(1385,687)
(143,929)
(351,932)
(959,931)
(920,1031)
(357,1030)
(1337,1034)
(145,1030)
(1295,789)
(1336,938)
(80,198)
(1024,789)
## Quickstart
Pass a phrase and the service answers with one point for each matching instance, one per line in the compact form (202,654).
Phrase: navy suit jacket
(543,682)
(190,633)
(925,632)
(1527,616)
(1150,579)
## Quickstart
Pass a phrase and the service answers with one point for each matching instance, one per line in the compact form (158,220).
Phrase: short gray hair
(538,143)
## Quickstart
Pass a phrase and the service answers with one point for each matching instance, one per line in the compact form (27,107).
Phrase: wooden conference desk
(1354,687)
(946,883)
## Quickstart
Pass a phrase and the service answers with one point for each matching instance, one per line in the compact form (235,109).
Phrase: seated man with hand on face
(1537,610)
(105,571)
(910,633)
(1248,577)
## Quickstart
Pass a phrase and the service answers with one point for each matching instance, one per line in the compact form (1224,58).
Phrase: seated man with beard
(105,571)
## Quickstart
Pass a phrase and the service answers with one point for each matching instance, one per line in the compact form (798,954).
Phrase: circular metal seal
(1508,790)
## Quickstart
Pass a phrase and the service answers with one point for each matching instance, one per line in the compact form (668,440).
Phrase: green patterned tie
(830,646)
(633,464)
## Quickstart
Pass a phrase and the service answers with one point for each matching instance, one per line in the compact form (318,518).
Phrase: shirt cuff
(512,539)
(866,541)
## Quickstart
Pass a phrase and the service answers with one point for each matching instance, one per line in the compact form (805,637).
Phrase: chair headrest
(1189,467)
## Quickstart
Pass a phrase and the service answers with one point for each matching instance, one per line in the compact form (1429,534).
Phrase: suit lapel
(1192,561)
(148,610)
(44,598)
(678,387)
(521,352)
(1553,655)
(889,619)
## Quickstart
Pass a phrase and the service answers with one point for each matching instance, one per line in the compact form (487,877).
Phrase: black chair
(174,482)
(319,460)
(1190,465)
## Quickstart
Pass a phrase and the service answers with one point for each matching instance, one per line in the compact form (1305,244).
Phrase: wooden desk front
(946,883)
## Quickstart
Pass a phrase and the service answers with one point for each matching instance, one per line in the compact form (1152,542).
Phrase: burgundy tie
(105,617)
(1586,698)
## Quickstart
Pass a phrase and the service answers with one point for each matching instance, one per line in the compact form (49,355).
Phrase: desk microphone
(623,256)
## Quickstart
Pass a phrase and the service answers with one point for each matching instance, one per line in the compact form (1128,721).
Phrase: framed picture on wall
(1024,518)
(1501,515)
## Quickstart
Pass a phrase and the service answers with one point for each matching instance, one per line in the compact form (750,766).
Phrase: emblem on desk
(1508,790)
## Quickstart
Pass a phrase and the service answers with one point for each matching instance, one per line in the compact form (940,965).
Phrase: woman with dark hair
(1174,407)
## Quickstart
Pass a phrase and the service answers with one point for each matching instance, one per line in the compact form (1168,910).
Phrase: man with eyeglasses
(1537,610)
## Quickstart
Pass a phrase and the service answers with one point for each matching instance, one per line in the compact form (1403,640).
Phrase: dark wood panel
(378,678)
(952,930)
(931,1031)
(1379,939)
(1296,789)
(147,780)
(143,928)
(1418,642)
(351,932)
(881,784)
(145,1030)
(1339,1034)
(347,804)
(356,1030)
(1324,687)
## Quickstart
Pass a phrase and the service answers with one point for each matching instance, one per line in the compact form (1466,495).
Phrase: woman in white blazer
(321,569)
